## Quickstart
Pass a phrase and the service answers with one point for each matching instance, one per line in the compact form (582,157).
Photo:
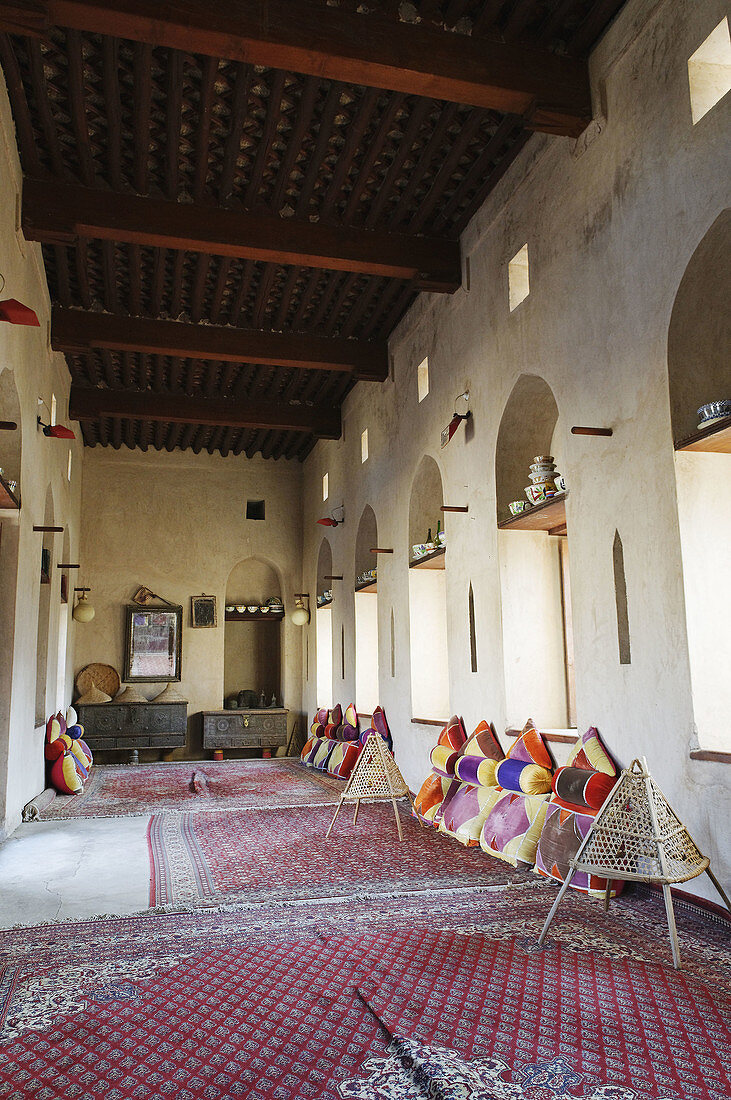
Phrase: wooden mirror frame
(139,651)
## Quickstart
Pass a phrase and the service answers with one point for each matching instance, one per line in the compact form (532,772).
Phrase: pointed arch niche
(252,654)
(698,342)
(324,626)
(10,457)
(534,571)
(428,601)
(366,616)
(44,698)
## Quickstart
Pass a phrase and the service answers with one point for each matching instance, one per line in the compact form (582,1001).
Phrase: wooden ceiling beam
(63,213)
(550,91)
(321,421)
(75,331)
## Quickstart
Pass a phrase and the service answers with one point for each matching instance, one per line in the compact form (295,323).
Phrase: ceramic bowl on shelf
(561,483)
(264,608)
(442,538)
(518,506)
(714,410)
(542,479)
(230,606)
(419,549)
(543,459)
(538,493)
(241,608)
(252,607)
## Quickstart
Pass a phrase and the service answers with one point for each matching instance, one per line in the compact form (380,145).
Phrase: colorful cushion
(454,785)
(67,775)
(314,748)
(317,729)
(430,797)
(482,743)
(513,826)
(453,735)
(578,788)
(351,716)
(480,771)
(561,835)
(321,754)
(531,748)
(321,716)
(306,749)
(381,726)
(71,716)
(443,759)
(335,716)
(515,775)
(589,752)
(342,759)
(466,813)
(55,726)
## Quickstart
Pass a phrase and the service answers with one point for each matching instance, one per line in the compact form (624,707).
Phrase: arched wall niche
(324,629)
(425,502)
(68,580)
(699,337)
(366,617)
(46,566)
(253,649)
(428,602)
(527,429)
(11,445)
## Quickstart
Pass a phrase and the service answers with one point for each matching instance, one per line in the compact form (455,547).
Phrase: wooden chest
(134,725)
(244,729)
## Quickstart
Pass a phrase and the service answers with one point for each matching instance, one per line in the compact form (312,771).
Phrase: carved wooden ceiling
(237,203)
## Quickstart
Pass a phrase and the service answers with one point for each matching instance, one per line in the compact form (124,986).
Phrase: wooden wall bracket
(67,565)
(591,431)
(454,508)
(380,550)
(37,528)
(302,595)
(8,426)
(82,590)
(332,577)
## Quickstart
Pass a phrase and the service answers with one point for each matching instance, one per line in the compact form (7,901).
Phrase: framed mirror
(152,643)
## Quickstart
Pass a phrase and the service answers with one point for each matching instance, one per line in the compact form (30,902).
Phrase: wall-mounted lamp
(54,431)
(14,312)
(334,520)
(301,613)
(460,414)
(83,612)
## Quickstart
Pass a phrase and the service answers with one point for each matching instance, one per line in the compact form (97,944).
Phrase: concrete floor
(56,870)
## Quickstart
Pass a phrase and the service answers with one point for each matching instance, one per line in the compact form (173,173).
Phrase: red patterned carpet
(245,855)
(119,791)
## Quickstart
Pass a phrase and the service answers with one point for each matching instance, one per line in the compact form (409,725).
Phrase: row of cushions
(338,756)
(335,725)
(68,756)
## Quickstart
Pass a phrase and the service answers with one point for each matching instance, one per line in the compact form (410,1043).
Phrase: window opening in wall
(324,627)
(364,445)
(307,655)
(366,615)
(620,597)
(46,621)
(393,648)
(568,632)
(709,71)
(53,408)
(342,652)
(63,626)
(518,278)
(68,467)
(427,601)
(473,636)
(256,509)
(325,486)
(422,377)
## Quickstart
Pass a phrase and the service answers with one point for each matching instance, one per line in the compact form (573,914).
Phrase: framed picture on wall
(152,643)
(203,611)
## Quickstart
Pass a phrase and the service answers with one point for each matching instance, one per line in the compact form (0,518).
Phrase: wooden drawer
(134,725)
(244,729)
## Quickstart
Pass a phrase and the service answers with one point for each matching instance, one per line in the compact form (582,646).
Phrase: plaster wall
(29,371)
(612,222)
(175,521)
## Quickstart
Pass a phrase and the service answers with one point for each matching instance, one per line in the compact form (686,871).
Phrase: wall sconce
(457,418)
(14,312)
(333,520)
(54,431)
(301,613)
(83,612)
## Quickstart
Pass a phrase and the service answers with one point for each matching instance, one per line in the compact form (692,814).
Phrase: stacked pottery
(543,477)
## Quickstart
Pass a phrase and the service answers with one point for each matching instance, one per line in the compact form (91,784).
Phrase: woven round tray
(105,677)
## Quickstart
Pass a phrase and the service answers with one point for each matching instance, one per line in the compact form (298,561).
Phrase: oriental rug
(141,789)
(196,859)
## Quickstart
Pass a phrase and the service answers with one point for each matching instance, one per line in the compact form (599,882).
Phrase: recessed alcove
(699,333)
(366,615)
(324,627)
(534,569)
(428,601)
(10,459)
(253,647)
(46,565)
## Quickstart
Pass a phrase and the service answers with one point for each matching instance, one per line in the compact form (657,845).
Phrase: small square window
(53,408)
(709,71)
(68,467)
(422,378)
(256,509)
(325,487)
(518,278)
(364,445)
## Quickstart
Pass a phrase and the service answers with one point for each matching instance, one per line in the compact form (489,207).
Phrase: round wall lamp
(301,614)
(83,612)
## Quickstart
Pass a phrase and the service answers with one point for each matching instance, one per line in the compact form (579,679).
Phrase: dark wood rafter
(76,331)
(551,92)
(90,404)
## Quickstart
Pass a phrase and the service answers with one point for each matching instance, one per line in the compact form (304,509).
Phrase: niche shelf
(434,560)
(369,586)
(548,516)
(716,438)
(8,499)
(254,616)
(325,603)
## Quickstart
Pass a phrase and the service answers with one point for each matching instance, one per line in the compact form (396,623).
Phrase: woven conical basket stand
(637,836)
(375,778)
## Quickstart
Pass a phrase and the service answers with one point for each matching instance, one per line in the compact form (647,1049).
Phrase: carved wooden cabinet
(134,725)
(244,729)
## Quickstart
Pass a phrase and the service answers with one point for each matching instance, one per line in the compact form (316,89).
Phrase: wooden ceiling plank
(53,212)
(373,153)
(135,279)
(356,130)
(594,24)
(176,297)
(224,267)
(305,111)
(21,111)
(45,112)
(142,109)
(435,194)
(330,43)
(232,148)
(239,303)
(491,178)
(319,150)
(82,271)
(63,274)
(429,152)
(203,128)
(202,267)
(386,190)
(172,127)
(109,267)
(77,330)
(263,152)
(112,103)
(94,404)
(158,281)
(77,105)
(482,166)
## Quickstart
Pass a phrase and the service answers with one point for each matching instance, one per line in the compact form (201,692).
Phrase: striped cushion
(453,735)
(531,748)
(561,835)
(513,826)
(341,760)
(577,788)
(514,775)
(466,813)
(589,752)
(443,759)
(430,797)
(480,771)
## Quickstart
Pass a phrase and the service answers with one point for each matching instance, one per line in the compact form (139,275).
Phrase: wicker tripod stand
(375,778)
(636,836)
